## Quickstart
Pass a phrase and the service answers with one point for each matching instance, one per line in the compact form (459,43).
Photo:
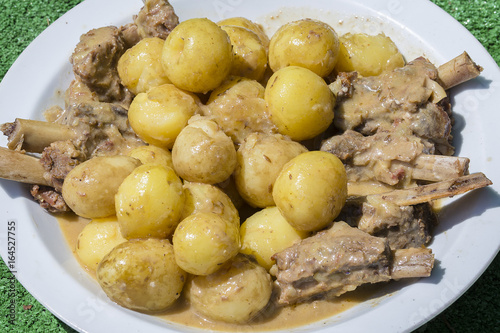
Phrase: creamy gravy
(271,319)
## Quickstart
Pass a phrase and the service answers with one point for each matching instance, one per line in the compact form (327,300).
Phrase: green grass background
(478,310)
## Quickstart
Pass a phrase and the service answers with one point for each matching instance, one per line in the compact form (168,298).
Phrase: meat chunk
(403,226)
(156,19)
(407,98)
(392,158)
(94,62)
(339,260)
(49,199)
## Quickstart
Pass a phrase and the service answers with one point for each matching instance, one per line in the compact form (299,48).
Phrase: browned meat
(130,34)
(403,226)
(94,63)
(58,159)
(103,128)
(156,19)
(49,199)
(339,260)
(405,99)
(391,158)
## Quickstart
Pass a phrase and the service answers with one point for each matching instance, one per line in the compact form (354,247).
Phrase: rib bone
(34,135)
(20,167)
(443,189)
(457,71)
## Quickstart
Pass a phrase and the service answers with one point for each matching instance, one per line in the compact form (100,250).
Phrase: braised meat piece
(156,19)
(94,62)
(340,259)
(403,226)
(390,159)
(408,98)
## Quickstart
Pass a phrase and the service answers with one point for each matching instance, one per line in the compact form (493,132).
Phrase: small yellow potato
(203,152)
(89,189)
(142,275)
(238,106)
(260,159)
(368,55)
(249,55)
(159,115)
(307,43)
(152,155)
(197,55)
(300,102)
(250,25)
(206,198)
(311,190)
(140,66)
(236,293)
(204,241)
(265,233)
(149,202)
(97,239)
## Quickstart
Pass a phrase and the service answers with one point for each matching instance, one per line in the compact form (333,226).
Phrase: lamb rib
(340,259)
(458,70)
(443,189)
(34,135)
(20,167)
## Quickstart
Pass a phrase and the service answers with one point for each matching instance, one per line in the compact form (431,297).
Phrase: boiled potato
(250,25)
(236,293)
(97,239)
(204,241)
(159,115)
(300,102)
(152,155)
(149,202)
(311,190)
(307,43)
(197,55)
(203,152)
(140,66)
(368,55)
(89,189)
(238,106)
(265,233)
(142,275)
(260,159)
(209,199)
(249,55)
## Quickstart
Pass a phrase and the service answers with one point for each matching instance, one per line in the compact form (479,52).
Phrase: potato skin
(368,55)
(239,108)
(307,43)
(208,198)
(140,66)
(260,159)
(204,241)
(250,25)
(152,155)
(236,293)
(89,189)
(300,102)
(265,233)
(311,190)
(203,152)
(197,55)
(149,202)
(142,275)
(97,239)
(249,55)
(159,115)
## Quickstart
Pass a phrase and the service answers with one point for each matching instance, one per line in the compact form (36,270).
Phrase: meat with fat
(340,259)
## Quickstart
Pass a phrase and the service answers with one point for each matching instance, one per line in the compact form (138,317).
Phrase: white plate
(466,240)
